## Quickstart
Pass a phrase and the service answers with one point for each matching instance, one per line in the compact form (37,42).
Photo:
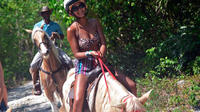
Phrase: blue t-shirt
(49,28)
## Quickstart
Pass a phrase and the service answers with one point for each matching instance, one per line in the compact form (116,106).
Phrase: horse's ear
(144,97)
(29,31)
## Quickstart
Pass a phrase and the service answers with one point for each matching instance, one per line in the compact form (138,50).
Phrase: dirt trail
(20,99)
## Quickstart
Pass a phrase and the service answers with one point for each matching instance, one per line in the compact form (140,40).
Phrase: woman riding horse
(87,41)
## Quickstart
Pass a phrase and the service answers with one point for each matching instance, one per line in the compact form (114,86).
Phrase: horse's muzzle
(47,52)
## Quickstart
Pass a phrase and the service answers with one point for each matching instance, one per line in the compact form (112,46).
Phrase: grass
(180,94)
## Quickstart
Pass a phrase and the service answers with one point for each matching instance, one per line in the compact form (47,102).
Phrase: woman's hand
(100,54)
(94,53)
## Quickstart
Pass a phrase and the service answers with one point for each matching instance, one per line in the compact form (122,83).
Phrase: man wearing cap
(54,31)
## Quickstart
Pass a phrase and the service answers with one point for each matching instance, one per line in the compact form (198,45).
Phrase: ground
(20,99)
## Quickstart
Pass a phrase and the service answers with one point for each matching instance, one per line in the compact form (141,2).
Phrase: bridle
(46,42)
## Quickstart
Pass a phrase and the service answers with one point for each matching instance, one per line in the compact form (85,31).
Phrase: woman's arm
(102,37)
(74,43)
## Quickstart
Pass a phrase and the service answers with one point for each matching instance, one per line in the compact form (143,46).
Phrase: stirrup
(37,89)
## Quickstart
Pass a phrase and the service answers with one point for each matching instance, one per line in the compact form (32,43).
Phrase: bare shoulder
(72,27)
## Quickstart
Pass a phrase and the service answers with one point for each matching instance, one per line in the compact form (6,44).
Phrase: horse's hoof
(37,89)
(34,92)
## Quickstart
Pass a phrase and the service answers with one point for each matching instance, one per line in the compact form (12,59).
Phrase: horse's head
(121,99)
(131,103)
(42,41)
(128,104)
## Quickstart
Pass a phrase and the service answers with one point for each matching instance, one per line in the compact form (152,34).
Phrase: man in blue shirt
(54,31)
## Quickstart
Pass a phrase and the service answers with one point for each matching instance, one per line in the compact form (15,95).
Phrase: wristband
(87,53)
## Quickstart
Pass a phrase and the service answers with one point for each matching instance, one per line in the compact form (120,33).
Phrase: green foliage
(134,26)
(15,44)
(193,92)
(137,28)
(169,95)
(175,100)
(166,67)
(196,65)
(177,54)
(59,12)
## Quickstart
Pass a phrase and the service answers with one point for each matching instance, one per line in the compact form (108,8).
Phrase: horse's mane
(54,49)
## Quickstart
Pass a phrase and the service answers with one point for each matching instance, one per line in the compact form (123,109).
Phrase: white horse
(121,100)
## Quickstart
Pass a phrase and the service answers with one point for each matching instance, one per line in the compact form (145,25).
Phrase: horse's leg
(61,98)
(60,77)
(50,95)
(59,89)
(49,90)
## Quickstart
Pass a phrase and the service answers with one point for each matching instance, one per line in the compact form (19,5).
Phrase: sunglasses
(44,13)
(76,8)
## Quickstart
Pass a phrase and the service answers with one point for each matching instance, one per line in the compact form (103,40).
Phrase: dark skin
(87,29)
(3,89)
(46,17)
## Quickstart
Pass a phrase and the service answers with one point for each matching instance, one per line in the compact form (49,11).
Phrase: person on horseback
(87,41)
(3,93)
(54,31)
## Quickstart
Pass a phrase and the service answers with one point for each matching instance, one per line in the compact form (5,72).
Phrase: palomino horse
(52,73)
(119,98)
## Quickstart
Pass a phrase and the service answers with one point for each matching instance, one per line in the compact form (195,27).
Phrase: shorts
(3,107)
(85,66)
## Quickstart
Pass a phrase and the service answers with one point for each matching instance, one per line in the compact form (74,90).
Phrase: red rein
(102,67)
(102,64)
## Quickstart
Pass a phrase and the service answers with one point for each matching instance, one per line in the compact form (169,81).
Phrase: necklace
(83,24)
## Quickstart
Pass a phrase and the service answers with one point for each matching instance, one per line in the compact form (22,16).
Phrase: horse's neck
(52,62)
(121,96)
(116,88)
